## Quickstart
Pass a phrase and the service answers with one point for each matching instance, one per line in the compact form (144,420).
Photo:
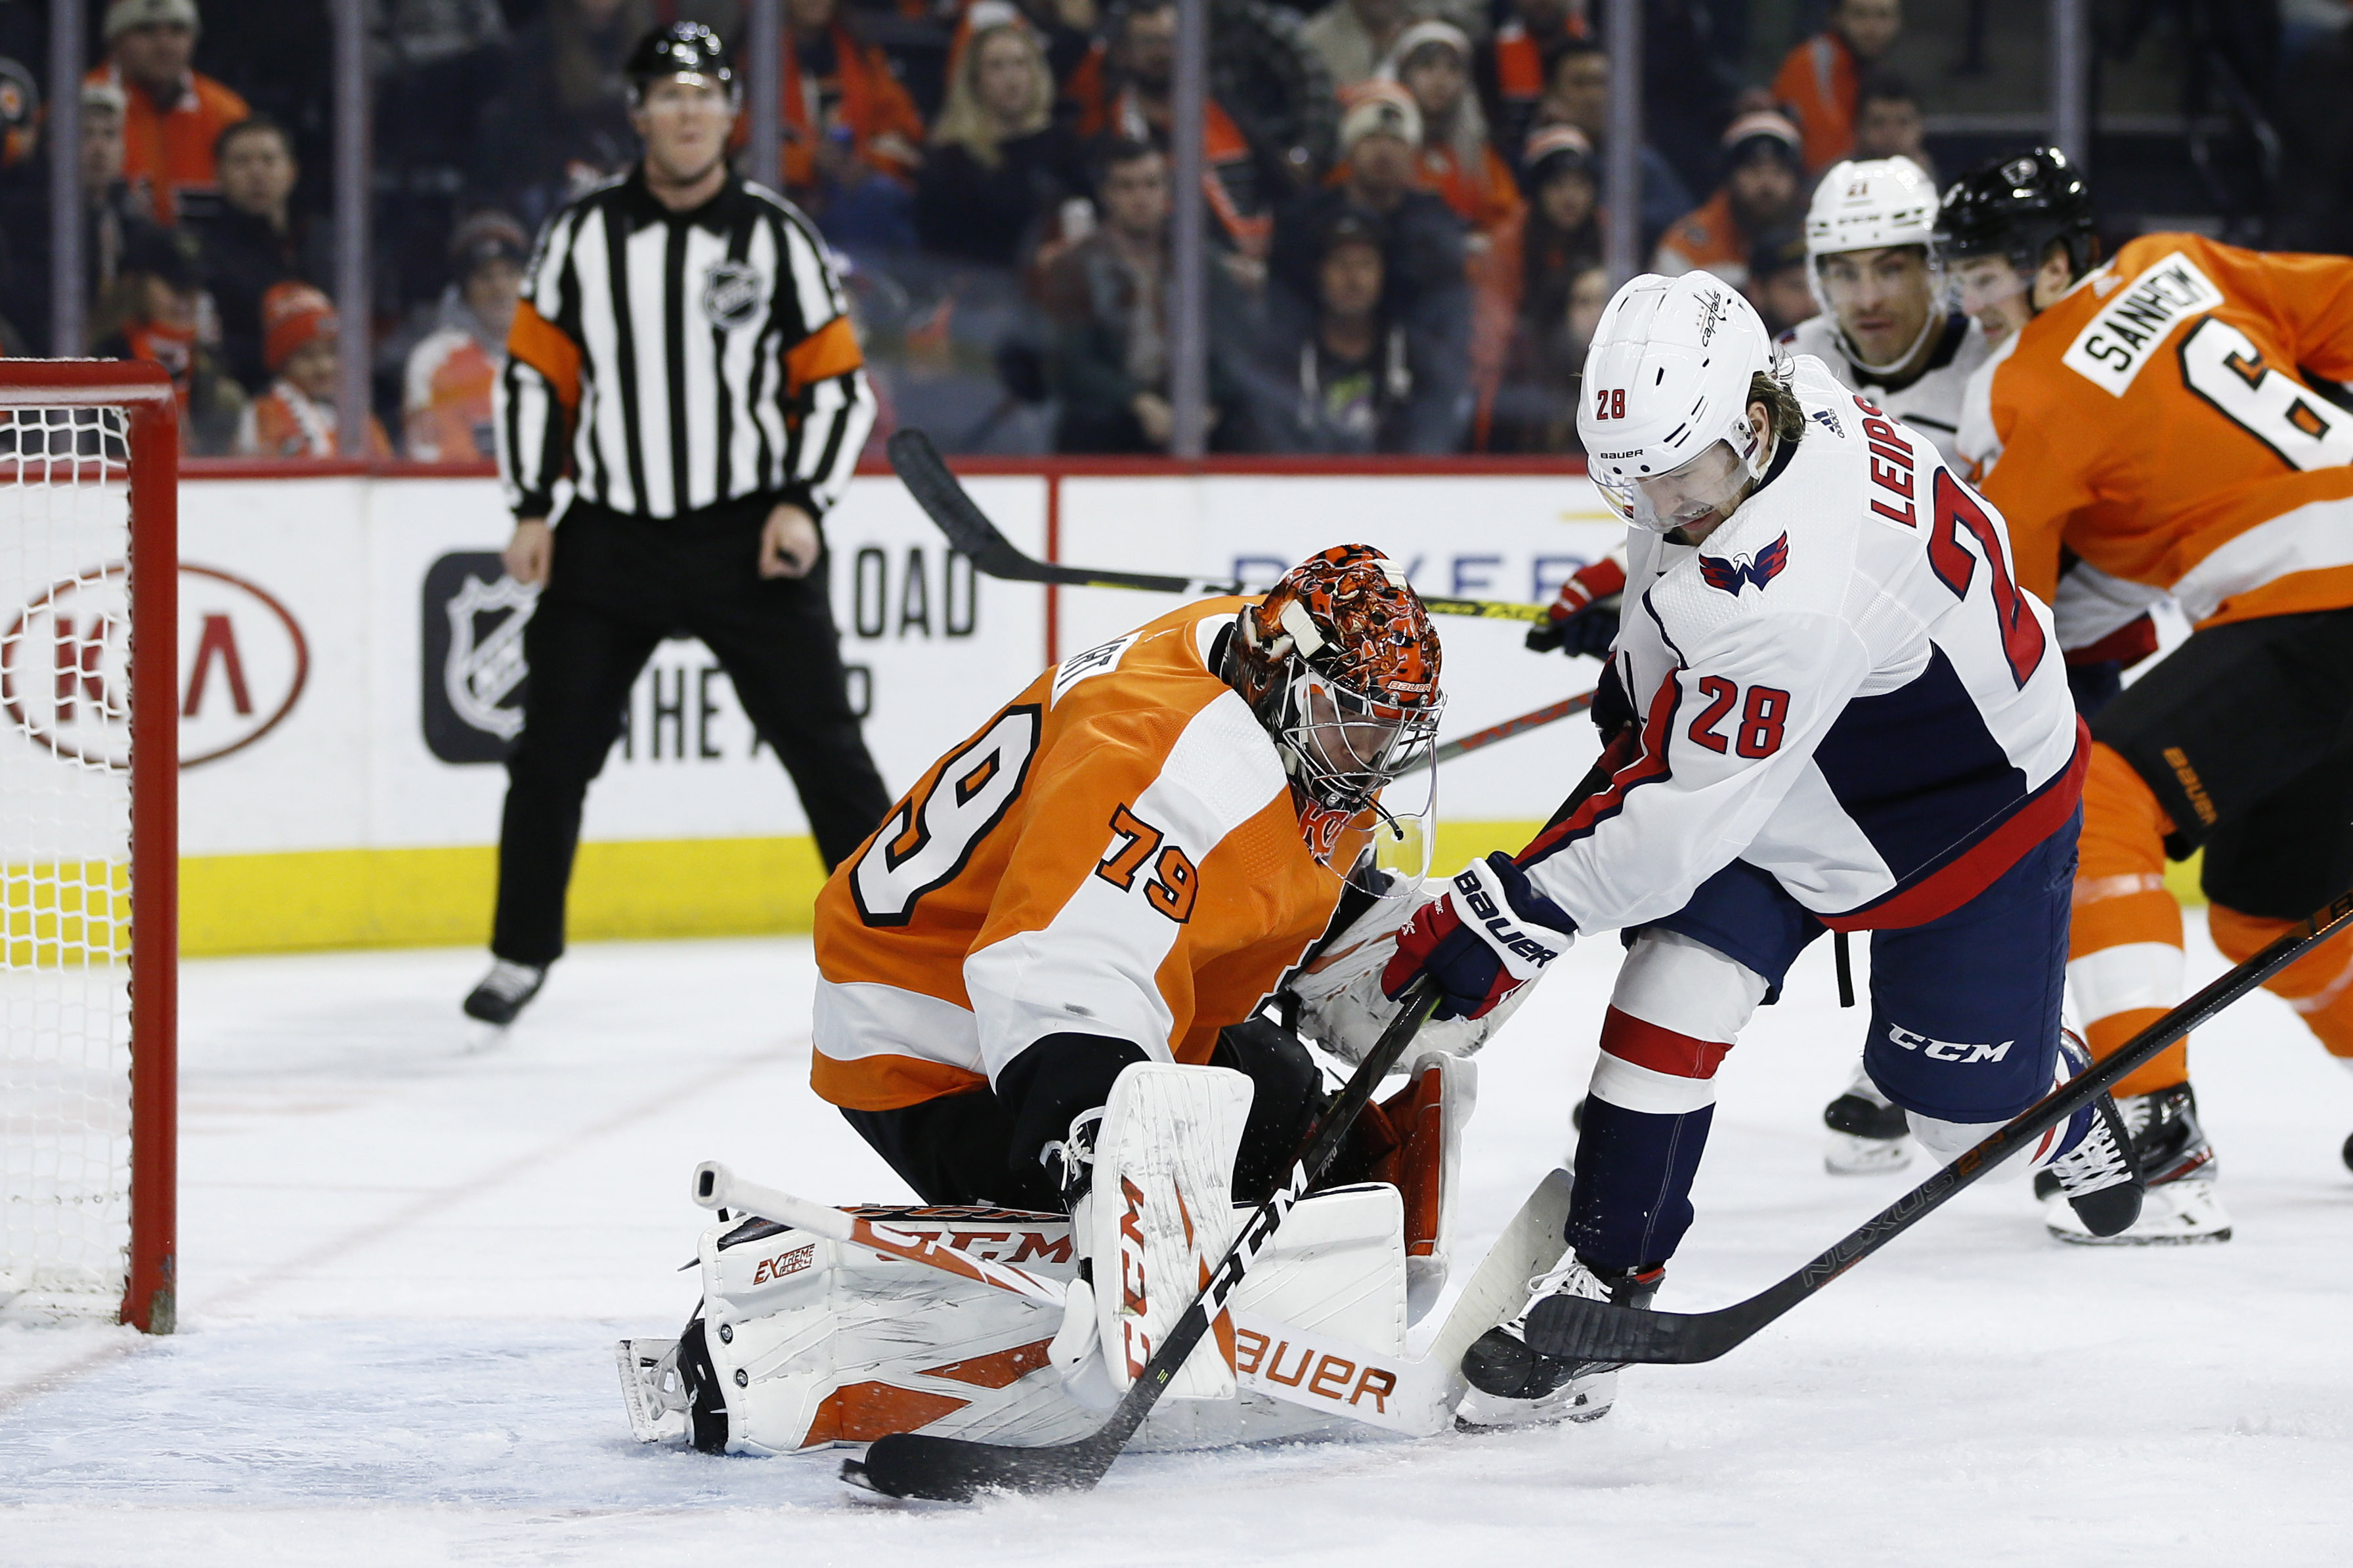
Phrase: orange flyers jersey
(1114,853)
(2157,423)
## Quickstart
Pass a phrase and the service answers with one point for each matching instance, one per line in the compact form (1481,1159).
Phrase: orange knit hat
(291,315)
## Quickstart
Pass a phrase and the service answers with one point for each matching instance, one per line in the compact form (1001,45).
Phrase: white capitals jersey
(1930,403)
(1842,688)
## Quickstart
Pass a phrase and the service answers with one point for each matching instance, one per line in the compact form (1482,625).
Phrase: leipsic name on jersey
(1843,687)
(1931,402)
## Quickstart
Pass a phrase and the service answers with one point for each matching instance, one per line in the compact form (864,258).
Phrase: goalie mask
(1663,409)
(1340,663)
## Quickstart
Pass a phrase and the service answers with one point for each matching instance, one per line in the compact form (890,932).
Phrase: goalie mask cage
(88,777)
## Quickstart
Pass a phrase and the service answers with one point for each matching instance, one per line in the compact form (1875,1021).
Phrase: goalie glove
(1341,1004)
(1482,939)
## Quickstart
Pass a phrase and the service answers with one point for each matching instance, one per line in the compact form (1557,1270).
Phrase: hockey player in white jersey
(1847,718)
(1887,328)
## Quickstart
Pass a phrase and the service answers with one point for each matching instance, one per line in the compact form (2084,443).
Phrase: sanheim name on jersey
(2111,351)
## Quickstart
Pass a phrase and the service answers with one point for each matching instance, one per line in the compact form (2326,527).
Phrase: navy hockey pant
(1965,1014)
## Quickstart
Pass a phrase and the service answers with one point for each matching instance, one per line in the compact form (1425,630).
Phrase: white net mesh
(65,859)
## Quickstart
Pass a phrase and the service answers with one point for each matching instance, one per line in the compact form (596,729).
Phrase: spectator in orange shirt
(853,138)
(172,115)
(1432,62)
(1822,77)
(1762,195)
(1143,109)
(1517,65)
(447,388)
(296,417)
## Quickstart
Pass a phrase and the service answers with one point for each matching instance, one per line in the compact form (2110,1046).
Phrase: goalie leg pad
(1159,1215)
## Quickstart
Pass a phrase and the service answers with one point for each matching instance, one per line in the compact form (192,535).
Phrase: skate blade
(2170,1217)
(1849,1155)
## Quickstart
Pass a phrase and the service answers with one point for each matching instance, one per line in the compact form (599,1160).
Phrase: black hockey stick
(955,1470)
(1576,1328)
(938,491)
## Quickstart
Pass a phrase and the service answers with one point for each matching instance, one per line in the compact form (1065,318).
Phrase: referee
(681,355)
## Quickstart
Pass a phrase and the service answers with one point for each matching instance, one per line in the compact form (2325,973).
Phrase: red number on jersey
(1722,694)
(1958,508)
(1762,718)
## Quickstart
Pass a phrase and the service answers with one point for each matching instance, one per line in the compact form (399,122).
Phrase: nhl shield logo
(474,667)
(733,295)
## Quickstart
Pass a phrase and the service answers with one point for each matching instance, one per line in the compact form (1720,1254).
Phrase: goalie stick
(954,1469)
(938,491)
(1419,1402)
(1573,1328)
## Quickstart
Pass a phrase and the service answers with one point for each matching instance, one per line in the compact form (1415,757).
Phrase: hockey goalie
(1040,997)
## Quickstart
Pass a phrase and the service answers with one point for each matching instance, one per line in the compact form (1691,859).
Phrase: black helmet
(2016,206)
(682,49)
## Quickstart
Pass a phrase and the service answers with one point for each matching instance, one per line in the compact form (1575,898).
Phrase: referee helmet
(684,49)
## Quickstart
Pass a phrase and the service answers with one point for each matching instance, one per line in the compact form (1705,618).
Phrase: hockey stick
(954,1469)
(1510,726)
(1577,1328)
(944,497)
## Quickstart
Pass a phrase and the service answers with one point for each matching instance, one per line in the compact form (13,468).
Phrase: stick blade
(925,474)
(950,1469)
(1575,1329)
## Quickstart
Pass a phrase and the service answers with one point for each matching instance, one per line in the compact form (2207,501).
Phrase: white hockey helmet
(1663,410)
(1869,204)
(1874,204)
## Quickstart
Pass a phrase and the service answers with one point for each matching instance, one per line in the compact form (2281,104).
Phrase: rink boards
(351,678)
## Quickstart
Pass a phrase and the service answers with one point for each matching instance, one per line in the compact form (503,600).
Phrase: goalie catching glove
(1343,1006)
(1484,939)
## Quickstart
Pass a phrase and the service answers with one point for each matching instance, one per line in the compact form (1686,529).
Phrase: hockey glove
(1584,618)
(1485,937)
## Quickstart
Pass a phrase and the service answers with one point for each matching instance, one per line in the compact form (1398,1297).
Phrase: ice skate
(1868,1133)
(1514,1386)
(2178,1165)
(504,990)
(2098,1185)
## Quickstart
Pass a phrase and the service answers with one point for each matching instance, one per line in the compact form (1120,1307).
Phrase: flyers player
(1118,864)
(2160,417)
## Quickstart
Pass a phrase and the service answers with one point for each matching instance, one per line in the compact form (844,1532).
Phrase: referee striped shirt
(666,362)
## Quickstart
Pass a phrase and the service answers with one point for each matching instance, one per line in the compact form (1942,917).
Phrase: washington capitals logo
(1730,575)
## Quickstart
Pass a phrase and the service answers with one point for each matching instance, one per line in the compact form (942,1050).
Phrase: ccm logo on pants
(1947,1050)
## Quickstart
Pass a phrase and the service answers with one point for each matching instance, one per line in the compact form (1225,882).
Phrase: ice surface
(403,1266)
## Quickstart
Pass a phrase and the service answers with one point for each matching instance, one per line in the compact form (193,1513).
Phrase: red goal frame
(145,392)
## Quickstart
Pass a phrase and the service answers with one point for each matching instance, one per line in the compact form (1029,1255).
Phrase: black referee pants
(619,585)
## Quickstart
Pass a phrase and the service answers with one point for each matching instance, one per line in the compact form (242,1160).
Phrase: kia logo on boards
(65,674)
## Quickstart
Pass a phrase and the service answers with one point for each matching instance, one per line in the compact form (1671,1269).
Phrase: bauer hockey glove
(1489,935)
(1583,619)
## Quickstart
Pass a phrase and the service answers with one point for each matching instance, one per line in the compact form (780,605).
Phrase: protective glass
(1709,485)
(1348,745)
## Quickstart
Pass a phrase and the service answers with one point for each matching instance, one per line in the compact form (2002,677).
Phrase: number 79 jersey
(2157,422)
(1115,853)
(1843,687)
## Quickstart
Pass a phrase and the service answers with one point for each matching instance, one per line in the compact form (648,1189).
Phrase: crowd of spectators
(1406,201)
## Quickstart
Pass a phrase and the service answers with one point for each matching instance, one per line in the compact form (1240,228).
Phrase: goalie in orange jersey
(1118,867)
(2169,418)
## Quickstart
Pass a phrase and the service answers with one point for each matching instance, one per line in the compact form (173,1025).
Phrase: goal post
(88,840)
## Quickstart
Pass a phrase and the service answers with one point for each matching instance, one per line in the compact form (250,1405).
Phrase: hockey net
(88,770)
